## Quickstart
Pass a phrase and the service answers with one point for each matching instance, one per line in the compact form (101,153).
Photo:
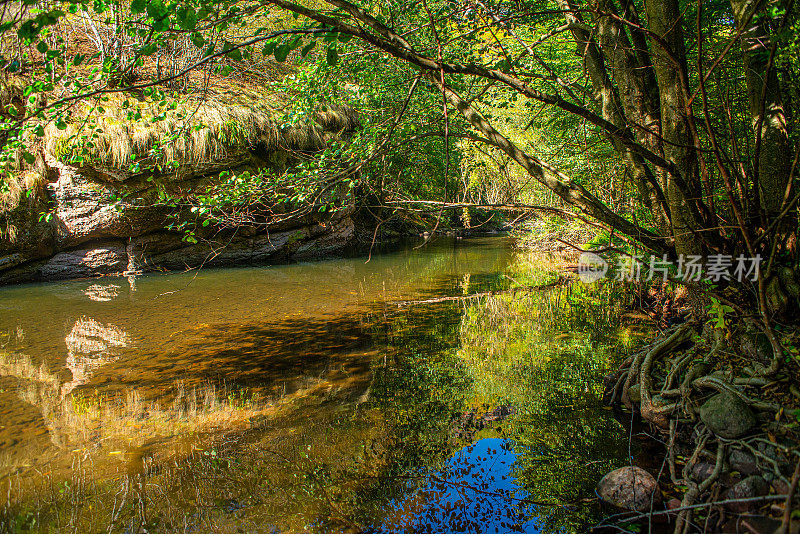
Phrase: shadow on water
(267,410)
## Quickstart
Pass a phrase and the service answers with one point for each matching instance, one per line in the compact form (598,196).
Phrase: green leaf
(332,56)
(233,53)
(28,157)
(41,47)
(27,30)
(138,6)
(308,48)
(187,17)
(156,9)
(282,52)
(198,40)
(269,48)
(503,65)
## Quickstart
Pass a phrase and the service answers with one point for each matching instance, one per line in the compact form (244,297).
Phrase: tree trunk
(766,110)
(632,71)
(613,110)
(666,23)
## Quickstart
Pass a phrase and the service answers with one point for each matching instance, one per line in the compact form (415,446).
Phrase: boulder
(728,416)
(101,259)
(744,462)
(88,210)
(702,470)
(631,488)
(752,486)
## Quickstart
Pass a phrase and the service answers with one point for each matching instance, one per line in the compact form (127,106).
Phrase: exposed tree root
(673,377)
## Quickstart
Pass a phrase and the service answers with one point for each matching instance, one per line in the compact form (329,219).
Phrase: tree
(660,91)
(659,82)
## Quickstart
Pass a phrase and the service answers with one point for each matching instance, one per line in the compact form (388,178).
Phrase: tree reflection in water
(389,422)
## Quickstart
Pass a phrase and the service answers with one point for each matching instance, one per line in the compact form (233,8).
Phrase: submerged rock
(631,488)
(728,416)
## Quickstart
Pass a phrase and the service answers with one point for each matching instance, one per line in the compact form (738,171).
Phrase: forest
(653,140)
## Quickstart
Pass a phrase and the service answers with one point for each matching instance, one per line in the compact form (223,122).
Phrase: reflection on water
(474,492)
(303,398)
(102,292)
(90,345)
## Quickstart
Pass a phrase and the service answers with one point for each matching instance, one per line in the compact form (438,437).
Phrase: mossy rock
(728,416)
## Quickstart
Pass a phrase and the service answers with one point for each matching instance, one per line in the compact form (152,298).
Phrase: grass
(206,123)
(20,179)
(122,131)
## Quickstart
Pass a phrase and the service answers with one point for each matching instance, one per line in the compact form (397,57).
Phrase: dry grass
(29,182)
(187,131)
(230,115)
(18,178)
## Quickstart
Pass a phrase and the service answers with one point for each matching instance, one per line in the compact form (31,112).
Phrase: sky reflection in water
(475,492)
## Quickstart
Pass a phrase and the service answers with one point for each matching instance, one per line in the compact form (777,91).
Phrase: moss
(295,237)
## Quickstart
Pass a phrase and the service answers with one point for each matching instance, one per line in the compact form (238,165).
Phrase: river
(414,392)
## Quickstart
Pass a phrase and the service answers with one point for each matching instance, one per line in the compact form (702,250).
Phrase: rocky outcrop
(91,221)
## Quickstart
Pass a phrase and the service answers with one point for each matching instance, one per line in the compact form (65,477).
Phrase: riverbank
(170,180)
(721,410)
(731,447)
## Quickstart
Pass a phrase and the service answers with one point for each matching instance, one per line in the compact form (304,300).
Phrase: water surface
(331,396)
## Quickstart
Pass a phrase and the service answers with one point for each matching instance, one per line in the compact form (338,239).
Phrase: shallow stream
(414,392)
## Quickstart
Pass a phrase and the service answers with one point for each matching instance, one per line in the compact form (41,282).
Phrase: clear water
(333,396)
